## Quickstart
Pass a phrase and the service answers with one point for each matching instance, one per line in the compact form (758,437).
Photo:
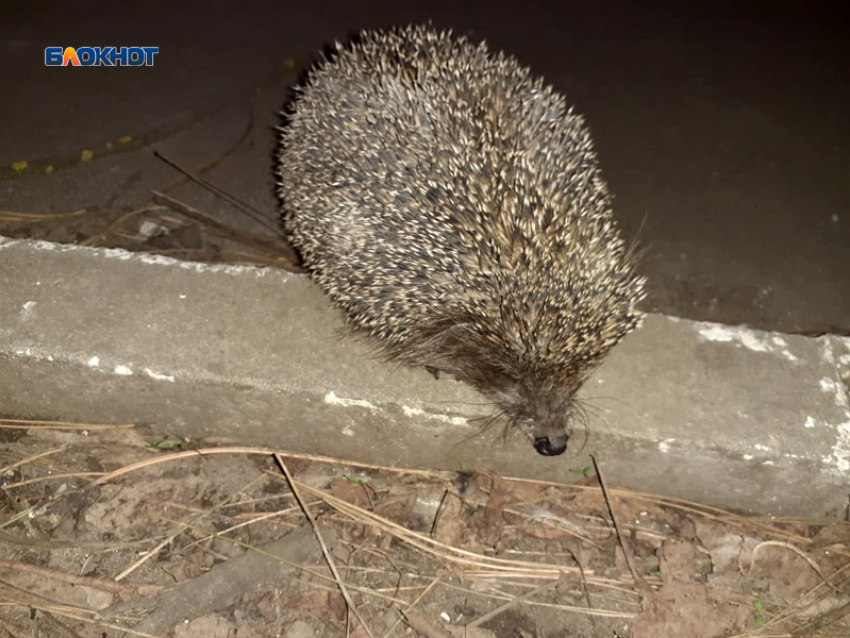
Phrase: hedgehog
(452,206)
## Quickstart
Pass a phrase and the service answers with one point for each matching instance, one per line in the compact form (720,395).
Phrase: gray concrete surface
(740,418)
(721,126)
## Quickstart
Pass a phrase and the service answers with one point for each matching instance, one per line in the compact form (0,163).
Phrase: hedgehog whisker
(483,425)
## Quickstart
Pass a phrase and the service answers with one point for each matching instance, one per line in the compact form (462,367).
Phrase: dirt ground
(124,531)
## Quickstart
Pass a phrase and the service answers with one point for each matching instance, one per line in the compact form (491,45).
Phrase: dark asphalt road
(722,128)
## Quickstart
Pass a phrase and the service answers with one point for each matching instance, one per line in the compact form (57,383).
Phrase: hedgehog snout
(542,414)
(548,436)
(551,445)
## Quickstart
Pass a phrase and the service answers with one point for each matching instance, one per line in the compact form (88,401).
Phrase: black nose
(550,445)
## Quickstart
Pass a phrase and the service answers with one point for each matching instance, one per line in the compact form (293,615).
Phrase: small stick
(422,626)
(105,584)
(72,613)
(11,215)
(504,607)
(404,613)
(275,247)
(796,550)
(321,540)
(167,458)
(60,425)
(249,210)
(167,541)
(31,458)
(95,239)
(640,583)
(53,477)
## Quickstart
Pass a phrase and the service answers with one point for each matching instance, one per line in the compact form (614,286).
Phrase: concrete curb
(739,418)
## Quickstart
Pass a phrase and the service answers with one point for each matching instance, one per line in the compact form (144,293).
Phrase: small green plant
(758,607)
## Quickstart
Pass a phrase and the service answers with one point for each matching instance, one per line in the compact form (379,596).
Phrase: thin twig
(14,216)
(403,613)
(252,212)
(147,556)
(166,458)
(105,584)
(74,614)
(325,550)
(52,477)
(504,607)
(602,613)
(640,583)
(29,459)
(424,628)
(275,247)
(63,544)
(95,239)
(799,553)
(434,547)
(829,618)
(362,590)
(21,424)
(168,540)
(683,505)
